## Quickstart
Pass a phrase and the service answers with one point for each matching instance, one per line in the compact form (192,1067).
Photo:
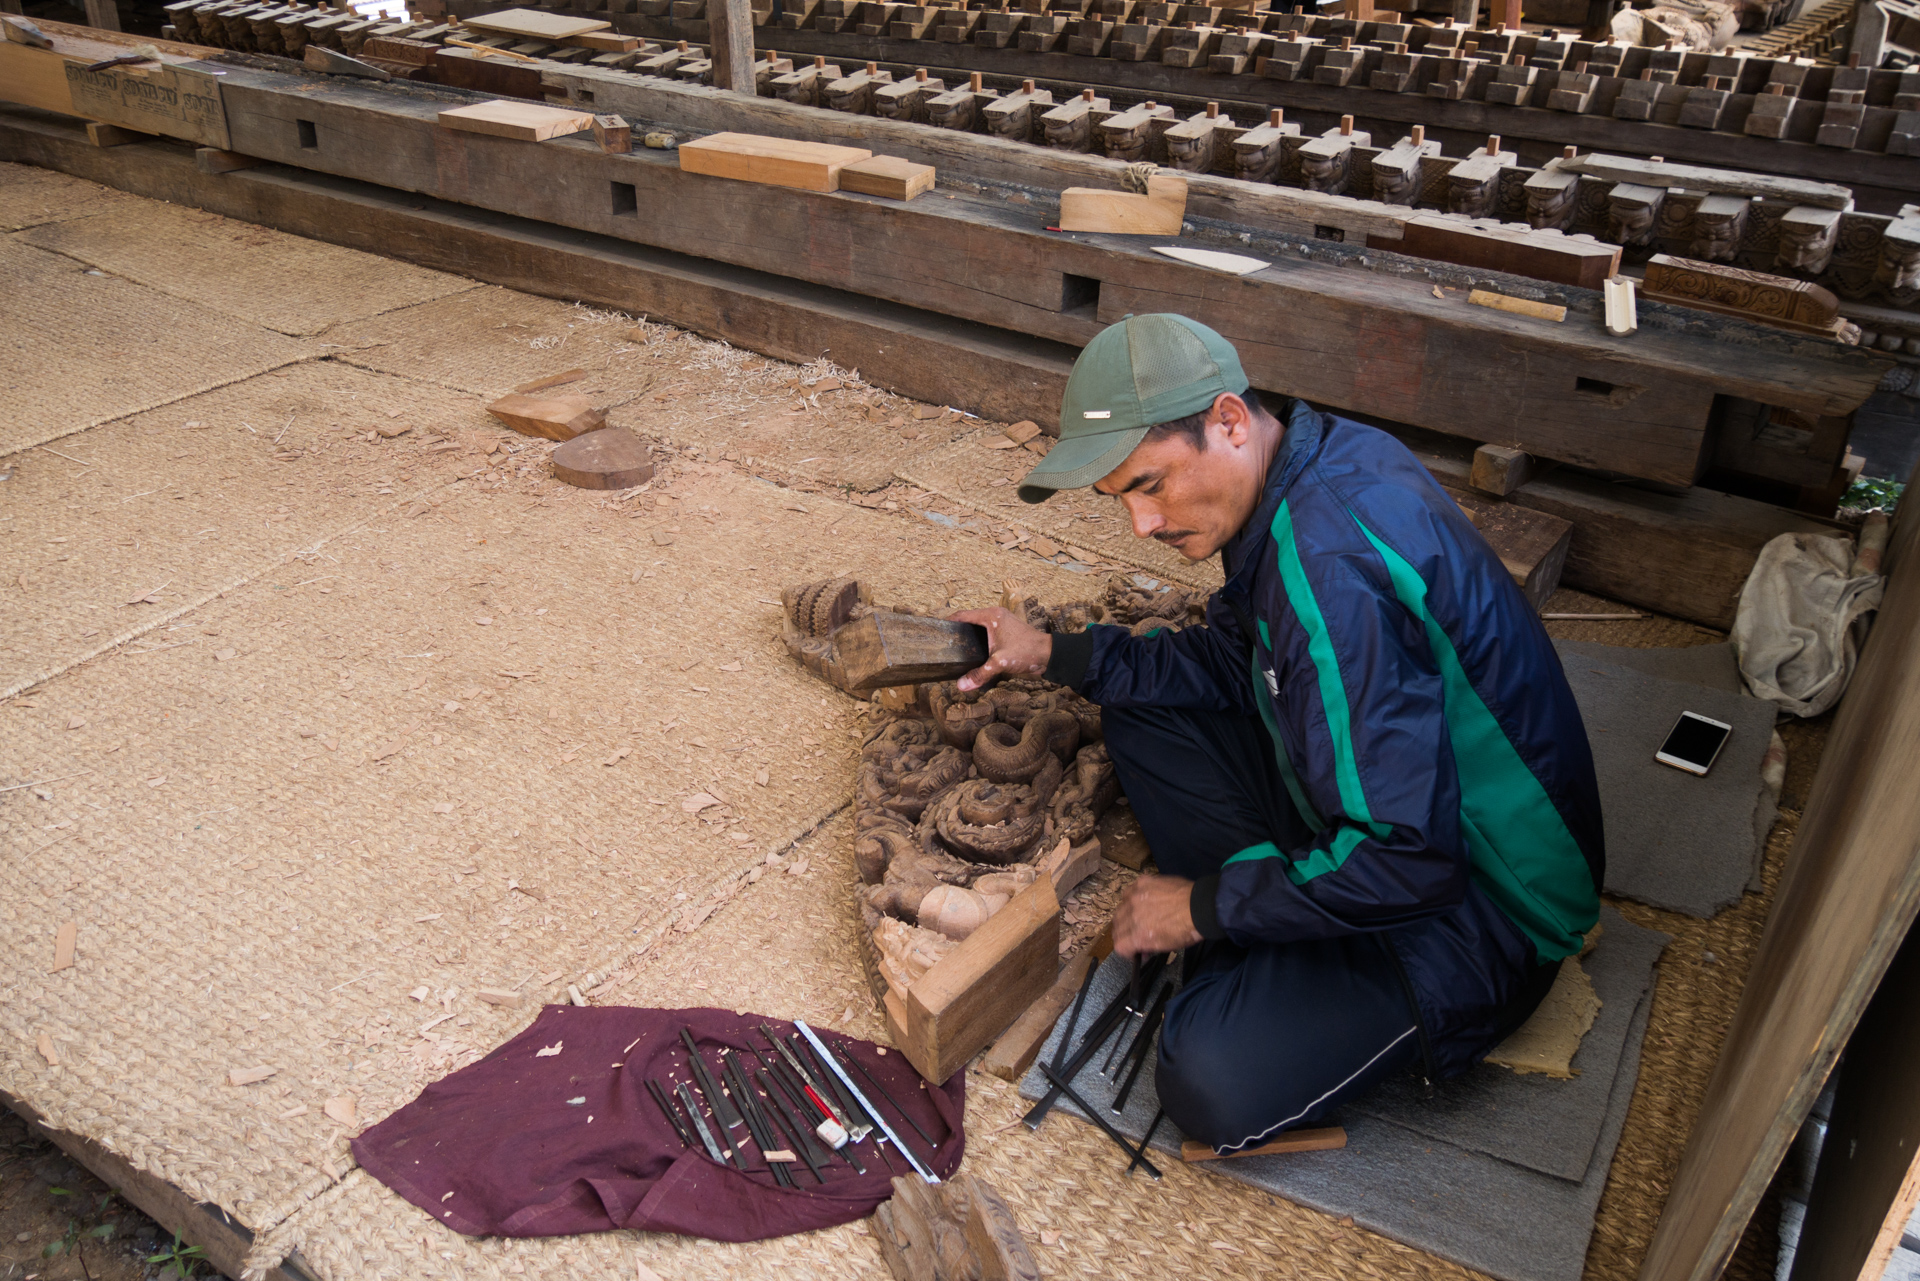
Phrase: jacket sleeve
(1197,667)
(1361,713)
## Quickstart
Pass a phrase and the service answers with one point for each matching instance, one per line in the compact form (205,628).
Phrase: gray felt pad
(1461,1204)
(1533,1120)
(1713,666)
(1674,839)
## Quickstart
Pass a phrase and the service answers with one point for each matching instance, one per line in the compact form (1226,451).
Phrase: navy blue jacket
(1422,724)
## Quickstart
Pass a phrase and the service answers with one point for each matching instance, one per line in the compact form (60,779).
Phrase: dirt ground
(59,1223)
(323,707)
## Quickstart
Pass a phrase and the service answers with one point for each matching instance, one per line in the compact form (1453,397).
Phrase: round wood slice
(611,458)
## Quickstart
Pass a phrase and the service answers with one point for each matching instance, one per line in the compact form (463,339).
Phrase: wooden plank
(1867,1180)
(1531,545)
(1847,899)
(533,24)
(521,121)
(730,27)
(887,176)
(1548,311)
(224,1239)
(1016,1048)
(1567,260)
(776,162)
(1328,1139)
(885,649)
(1665,173)
(971,995)
(212,160)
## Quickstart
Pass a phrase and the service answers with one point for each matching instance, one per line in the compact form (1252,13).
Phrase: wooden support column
(730,29)
(12,6)
(104,14)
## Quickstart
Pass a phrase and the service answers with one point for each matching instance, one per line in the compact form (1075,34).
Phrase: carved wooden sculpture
(1069,126)
(1473,184)
(906,99)
(1807,237)
(959,1231)
(1257,152)
(1718,224)
(1773,300)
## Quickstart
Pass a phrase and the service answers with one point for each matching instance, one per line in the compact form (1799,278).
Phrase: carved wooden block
(1237,52)
(1473,183)
(1191,144)
(1718,224)
(1069,126)
(1189,46)
(1754,295)
(1396,171)
(1573,91)
(1512,84)
(1550,199)
(1127,136)
(1807,237)
(1290,58)
(1632,211)
(1770,115)
(854,93)
(960,1231)
(1637,98)
(906,99)
(1257,152)
(1016,116)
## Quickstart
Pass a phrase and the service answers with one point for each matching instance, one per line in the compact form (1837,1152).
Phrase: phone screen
(1694,740)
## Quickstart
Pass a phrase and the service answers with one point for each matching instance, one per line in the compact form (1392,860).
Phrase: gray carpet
(1532,1120)
(1446,1194)
(1675,840)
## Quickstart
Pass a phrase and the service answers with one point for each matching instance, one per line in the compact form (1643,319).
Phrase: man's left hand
(1155,916)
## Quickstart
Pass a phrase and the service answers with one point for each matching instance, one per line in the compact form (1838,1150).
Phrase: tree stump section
(610,458)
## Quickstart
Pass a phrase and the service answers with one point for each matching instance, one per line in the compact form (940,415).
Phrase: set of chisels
(1129,1010)
(799,1107)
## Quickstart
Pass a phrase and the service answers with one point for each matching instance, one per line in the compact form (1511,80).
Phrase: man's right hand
(1013,648)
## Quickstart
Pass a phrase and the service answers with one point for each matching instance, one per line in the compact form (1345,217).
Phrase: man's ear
(1235,419)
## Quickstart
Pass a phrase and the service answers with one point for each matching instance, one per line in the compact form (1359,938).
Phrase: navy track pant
(1270,1037)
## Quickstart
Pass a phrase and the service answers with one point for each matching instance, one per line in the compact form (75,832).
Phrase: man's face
(1193,500)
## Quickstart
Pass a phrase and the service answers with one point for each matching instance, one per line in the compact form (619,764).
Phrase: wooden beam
(1014,1052)
(730,35)
(1867,1180)
(1681,554)
(1846,901)
(222,1238)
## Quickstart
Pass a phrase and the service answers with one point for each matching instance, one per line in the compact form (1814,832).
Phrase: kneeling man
(1365,782)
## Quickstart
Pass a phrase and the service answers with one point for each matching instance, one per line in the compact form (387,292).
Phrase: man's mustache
(1174,536)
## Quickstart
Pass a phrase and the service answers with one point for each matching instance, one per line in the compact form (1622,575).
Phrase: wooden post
(12,6)
(104,14)
(730,33)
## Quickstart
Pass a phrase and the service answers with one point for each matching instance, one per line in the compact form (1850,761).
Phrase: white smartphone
(1693,743)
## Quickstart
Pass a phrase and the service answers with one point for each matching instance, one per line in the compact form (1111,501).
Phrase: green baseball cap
(1141,372)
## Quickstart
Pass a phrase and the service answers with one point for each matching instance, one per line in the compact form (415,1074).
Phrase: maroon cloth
(521,1160)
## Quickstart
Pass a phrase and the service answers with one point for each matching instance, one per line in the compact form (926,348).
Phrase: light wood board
(777,162)
(525,121)
(535,25)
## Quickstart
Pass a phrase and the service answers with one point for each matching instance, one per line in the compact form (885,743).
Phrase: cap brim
(1078,461)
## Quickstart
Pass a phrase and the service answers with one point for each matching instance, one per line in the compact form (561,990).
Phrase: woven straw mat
(239,269)
(82,347)
(30,196)
(414,718)
(815,422)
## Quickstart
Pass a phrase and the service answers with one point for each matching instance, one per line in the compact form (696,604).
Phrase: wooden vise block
(972,993)
(887,176)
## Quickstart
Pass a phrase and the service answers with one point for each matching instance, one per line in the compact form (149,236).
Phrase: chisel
(795,1132)
(813,1091)
(660,1097)
(859,1126)
(756,1120)
(699,1123)
(724,1114)
(1073,1097)
(814,1040)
